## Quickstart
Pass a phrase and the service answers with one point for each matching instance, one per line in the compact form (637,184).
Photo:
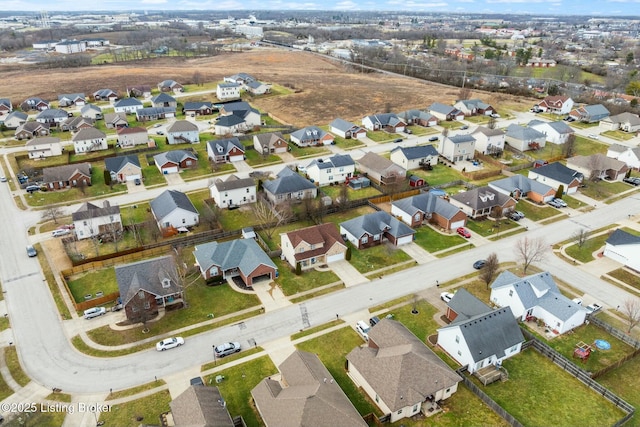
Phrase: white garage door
(405,240)
(133,177)
(172,169)
(336,257)
(236,158)
(457,224)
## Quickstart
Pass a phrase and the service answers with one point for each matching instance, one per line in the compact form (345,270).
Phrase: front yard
(488,227)
(377,257)
(585,253)
(433,241)
(133,413)
(291,283)
(601,190)
(536,212)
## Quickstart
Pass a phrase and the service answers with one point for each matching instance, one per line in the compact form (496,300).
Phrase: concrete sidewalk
(348,273)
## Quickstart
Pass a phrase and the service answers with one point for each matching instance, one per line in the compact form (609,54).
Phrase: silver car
(226,349)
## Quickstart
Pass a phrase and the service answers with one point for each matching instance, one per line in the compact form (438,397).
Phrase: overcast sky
(546,7)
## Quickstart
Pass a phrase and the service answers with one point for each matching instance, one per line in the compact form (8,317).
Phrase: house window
(214,271)
(247,190)
(415,408)
(514,348)
(84,223)
(140,294)
(365,239)
(511,293)
(457,339)
(417,216)
(331,178)
(459,353)
(166,282)
(376,237)
(147,305)
(301,250)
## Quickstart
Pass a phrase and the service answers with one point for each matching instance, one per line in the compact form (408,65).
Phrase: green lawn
(623,381)
(573,202)
(440,174)
(583,146)
(238,218)
(585,253)
(13,364)
(627,277)
(532,395)
(376,257)
(38,418)
(433,241)
(300,152)
(536,212)
(292,284)
(619,135)
(489,227)
(103,280)
(333,191)
(382,136)
(237,385)
(256,159)
(603,189)
(145,410)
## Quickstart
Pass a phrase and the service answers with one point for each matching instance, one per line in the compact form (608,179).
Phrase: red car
(463,232)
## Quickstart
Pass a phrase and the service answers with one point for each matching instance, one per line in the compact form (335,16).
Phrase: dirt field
(325,89)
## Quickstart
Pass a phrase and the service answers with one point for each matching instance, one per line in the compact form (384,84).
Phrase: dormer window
(166,282)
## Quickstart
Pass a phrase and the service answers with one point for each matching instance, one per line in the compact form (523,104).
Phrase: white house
(47,146)
(630,156)
(385,121)
(233,191)
(174,209)
(227,91)
(311,136)
(335,169)
(91,220)
(183,132)
(415,157)
(556,132)
(557,104)
(626,122)
(624,248)
(132,136)
(71,46)
(89,139)
(374,229)
(489,141)
(537,296)
(458,147)
(127,105)
(524,138)
(346,129)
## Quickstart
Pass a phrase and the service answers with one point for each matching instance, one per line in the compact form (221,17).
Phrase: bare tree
(492,123)
(631,310)
(569,147)
(139,309)
(52,213)
(187,273)
(393,183)
(211,216)
(153,229)
(497,212)
(530,251)
(464,93)
(343,197)
(596,167)
(490,269)
(581,236)
(271,217)
(197,78)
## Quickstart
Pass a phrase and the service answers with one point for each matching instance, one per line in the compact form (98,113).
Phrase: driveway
(416,252)
(347,273)
(173,179)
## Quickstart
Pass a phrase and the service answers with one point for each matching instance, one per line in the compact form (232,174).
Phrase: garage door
(133,177)
(457,224)
(172,169)
(261,278)
(405,240)
(336,257)
(236,158)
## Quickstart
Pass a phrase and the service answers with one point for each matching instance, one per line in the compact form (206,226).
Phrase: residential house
(556,174)
(418,118)
(173,161)
(115,120)
(34,103)
(623,247)
(590,113)
(242,258)
(288,185)
(233,191)
(15,119)
(474,107)
(203,108)
(183,132)
(227,91)
(488,141)
(482,201)
(445,112)
(243,110)
(139,91)
(518,186)
(52,116)
(311,136)
(524,138)
(400,373)
(28,130)
(91,111)
(173,209)
(626,122)
(380,169)
(155,113)
(105,95)
(240,78)
(537,296)
(346,130)
(89,139)
(270,142)
(225,150)
(74,124)
(47,146)
(59,177)
(5,106)
(71,99)
(335,169)
(463,306)
(415,157)
(457,148)
(556,104)
(483,340)
(599,166)
(306,395)
(164,100)
(130,137)
(555,132)
(428,207)
(123,168)
(170,86)
(230,125)
(388,122)
(91,220)
(127,105)
(629,155)
(146,286)
(257,88)
(200,406)
(375,228)
(312,246)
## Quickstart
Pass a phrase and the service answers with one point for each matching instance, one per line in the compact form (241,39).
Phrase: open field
(316,82)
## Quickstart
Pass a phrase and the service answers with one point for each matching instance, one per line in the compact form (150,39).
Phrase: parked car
(561,202)
(553,203)
(593,136)
(479,264)
(592,308)
(60,232)
(32,188)
(226,349)
(196,381)
(363,329)
(159,132)
(464,127)
(117,307)
(632,180)
(463,232)
(31,251)
(433,138)
(137,181)
(495,115)
(374,321)
(169,343)
(398,140)
(514,216)
(577,301)
(408,131)
(3,178)
(90,313)
(446,296)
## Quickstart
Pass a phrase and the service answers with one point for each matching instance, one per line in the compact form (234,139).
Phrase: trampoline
(602,344)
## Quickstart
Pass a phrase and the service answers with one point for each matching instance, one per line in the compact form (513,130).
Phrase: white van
(94,312)
(363,329)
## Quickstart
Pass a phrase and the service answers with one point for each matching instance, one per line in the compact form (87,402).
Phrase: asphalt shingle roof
(523,133)
(558,172)
(427,203)
(114,164)
(375,223)
(418,152)
(621,237)
(243,254)
(169,201)
(174,156)
(147,275)
(287,181)
(233,182)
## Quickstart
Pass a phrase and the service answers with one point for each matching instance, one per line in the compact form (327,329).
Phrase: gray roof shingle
(375,223)
(621,237)
(147,275)
(169,201)
(243,254)
(287,181)
(200,406)
(114,164)
(427,203)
